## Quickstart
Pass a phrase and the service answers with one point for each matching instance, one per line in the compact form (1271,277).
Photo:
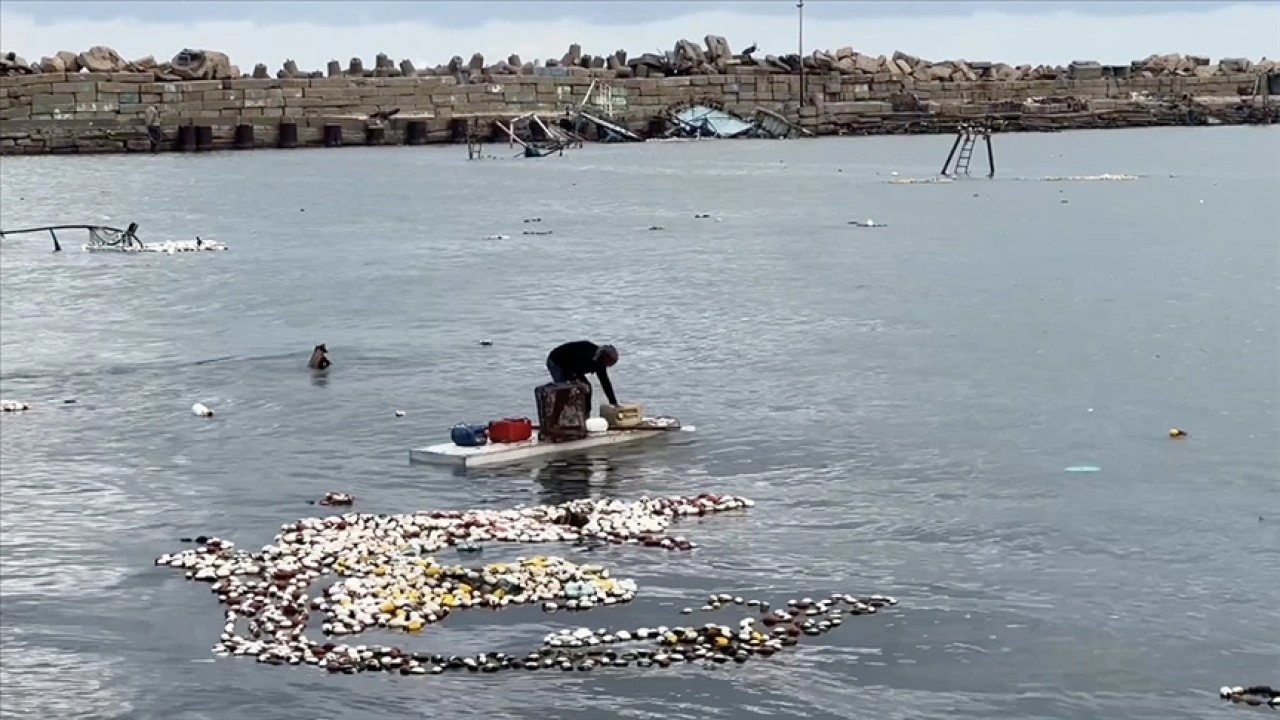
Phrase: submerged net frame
(113,237)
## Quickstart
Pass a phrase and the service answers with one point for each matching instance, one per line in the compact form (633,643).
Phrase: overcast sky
(312,33)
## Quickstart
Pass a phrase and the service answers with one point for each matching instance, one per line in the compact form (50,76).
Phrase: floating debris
(533,220)
(921,181)
(171,247)
(202,410)
(1082,469)
(387,579)
(1105,177)
(1254,695)
(711,644)
(274,608)
(867,224)
(497,237)
(655,227)
(337,499)
(538,232)
(701,216)
(14,406)
(486,343)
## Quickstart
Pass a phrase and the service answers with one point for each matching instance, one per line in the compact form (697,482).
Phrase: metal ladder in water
(969,141)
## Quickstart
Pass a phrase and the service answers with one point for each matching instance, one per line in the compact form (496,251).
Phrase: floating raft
(500,453)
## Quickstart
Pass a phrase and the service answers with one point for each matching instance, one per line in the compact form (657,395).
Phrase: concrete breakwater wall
(147,109)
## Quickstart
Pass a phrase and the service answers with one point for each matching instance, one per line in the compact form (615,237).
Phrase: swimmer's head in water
(319,358)
(607,355)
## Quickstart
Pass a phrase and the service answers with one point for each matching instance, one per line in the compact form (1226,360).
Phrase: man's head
(607,355)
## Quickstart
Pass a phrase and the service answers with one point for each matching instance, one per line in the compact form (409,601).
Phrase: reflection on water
(577,478)
(901,405)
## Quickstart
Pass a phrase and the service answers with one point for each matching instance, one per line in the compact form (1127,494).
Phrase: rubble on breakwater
(686,58)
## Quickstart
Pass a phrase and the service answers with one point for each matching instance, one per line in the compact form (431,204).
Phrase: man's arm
(606,385)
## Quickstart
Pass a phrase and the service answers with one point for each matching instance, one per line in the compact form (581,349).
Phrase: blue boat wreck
(706,120)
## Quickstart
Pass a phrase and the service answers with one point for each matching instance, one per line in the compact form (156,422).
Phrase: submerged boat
(103,238)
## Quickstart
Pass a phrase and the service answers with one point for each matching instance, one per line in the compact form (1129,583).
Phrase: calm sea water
(901,402)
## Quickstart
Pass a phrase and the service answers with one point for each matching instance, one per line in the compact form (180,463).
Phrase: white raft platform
(501,453)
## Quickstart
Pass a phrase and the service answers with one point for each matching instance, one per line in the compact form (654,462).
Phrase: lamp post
(800,7)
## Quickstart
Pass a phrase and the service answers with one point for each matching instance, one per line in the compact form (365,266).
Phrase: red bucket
(510,430)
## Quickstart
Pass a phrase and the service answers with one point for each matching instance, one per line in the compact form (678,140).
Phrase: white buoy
(597,425)
(202,410)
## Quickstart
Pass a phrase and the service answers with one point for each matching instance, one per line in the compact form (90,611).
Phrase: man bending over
(574,361)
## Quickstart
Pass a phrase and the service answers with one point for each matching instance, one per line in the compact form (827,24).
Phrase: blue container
(465,435)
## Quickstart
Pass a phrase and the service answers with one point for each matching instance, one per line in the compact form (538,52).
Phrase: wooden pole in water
(991,154)
(954,146)
(511,134)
